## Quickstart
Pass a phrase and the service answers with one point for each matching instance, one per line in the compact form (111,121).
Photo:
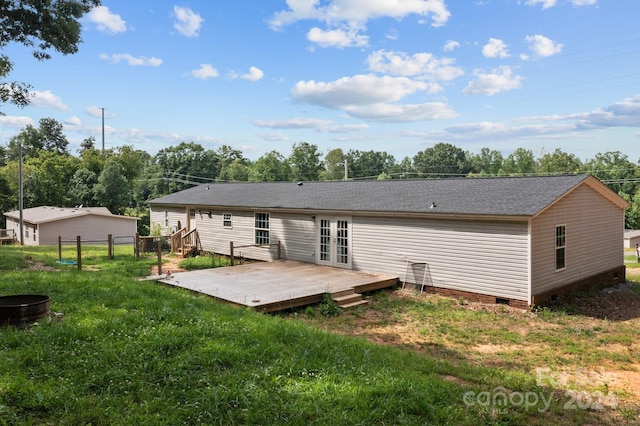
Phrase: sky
(387,75)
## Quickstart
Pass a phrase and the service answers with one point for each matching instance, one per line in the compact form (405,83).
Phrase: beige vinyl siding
(295,232)
(91,229)
(175,214)
(594,230)
(486,257)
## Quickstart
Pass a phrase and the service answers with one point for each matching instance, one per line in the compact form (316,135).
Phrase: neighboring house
(631,238)
(515,240)
(43,225)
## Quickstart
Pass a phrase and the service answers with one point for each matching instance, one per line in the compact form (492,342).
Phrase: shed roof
(44,214)
(503,196)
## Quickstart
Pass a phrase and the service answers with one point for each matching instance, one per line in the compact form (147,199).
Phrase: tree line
(123,179)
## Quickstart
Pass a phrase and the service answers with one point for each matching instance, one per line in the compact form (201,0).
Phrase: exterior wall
(174,215)
(90,228)
(295,232)
(594,229)
(482,257)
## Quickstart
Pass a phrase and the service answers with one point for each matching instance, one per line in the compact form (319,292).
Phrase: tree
(520,162)
(270,167)
(43,26)
(559,161)
(112,190)
(442,159)
(334,165)
(46,178)
(369,163)
(487,162)
(616,171)
(305,162)
(48,137)
(81,187)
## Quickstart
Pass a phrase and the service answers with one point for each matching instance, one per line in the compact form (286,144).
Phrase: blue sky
(387,75)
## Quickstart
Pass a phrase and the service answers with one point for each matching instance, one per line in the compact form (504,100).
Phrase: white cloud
(140,61)
(337,38)
(106,21)
(188,22)
(254,74)
(451,45)
(93,111)
(16,122)
(274,137)
(620,114)
(421,65)
(546,4)
(584,2)
(395,113)
(73,121)
(495,48)
(496,81)
(294,123)
(204,72)
(47,99)
(356,90)
(358,12)
(320,125)
(543,46)
(371,97)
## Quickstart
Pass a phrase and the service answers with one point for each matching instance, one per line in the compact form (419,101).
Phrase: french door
(334,241)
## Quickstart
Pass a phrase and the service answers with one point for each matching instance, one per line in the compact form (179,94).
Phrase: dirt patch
(39,266)
(168,264)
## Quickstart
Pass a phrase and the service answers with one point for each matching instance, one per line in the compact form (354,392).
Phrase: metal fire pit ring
(22,310)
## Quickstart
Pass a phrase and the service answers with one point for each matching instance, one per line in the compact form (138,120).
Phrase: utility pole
(20,194)
(102,130)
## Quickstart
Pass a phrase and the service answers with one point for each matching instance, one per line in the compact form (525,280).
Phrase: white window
(227,220)
(166,218)
(561,240)
(262,228)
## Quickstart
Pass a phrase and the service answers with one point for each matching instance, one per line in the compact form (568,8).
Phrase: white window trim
(267,229)
(556,247)
(229,220)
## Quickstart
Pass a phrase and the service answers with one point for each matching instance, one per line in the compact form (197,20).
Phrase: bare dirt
(602,310)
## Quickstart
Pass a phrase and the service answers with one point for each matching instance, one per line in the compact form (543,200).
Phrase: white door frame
(333,241)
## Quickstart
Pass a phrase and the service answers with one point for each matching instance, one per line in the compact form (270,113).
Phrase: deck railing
(7,235)
(233,247)
(183,241)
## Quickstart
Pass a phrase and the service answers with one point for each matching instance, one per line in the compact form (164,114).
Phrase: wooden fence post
(279,249)
(110,246)
(79,252)
(59,247)
(159,245)
(136,247)
(231,259)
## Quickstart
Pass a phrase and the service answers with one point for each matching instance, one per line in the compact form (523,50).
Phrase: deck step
(354,304)
(348,298)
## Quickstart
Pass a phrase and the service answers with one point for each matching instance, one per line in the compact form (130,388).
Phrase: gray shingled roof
(44,214)
(507,196)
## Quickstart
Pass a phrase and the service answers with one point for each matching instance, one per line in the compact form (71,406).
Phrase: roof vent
(299,183)
(432,206)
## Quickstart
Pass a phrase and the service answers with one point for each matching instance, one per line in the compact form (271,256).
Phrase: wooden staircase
(185,243)
(348,299)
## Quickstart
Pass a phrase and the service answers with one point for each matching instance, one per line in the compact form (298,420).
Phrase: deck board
(272,286)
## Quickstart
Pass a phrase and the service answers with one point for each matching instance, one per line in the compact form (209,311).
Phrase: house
(514,240)
(43,225)
(631,238)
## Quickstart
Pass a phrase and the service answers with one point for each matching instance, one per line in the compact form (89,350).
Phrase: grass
(122,351)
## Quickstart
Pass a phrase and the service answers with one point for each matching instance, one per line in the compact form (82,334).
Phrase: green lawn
(120,351)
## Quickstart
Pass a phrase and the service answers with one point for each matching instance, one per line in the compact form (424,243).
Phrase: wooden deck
(279,285)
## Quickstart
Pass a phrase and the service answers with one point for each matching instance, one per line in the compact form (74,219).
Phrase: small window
(227,220)
(192,213)
(166,218)
(262,228)
(561,240)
